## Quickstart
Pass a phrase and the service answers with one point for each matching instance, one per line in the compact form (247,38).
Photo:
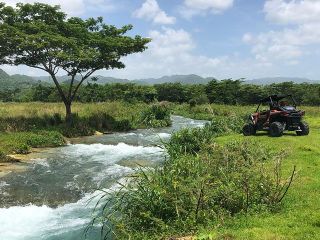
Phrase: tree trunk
(68,113)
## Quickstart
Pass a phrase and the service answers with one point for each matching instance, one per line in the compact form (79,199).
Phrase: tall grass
(87,118)
(211,111)
(22,142)
(157,115)
(202,183)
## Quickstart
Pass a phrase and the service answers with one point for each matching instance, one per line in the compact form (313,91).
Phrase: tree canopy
(42,36)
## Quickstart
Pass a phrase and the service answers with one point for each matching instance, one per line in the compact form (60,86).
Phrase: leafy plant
(190,191)
(157,115)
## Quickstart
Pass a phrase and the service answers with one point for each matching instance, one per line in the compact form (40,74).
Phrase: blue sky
(216,38)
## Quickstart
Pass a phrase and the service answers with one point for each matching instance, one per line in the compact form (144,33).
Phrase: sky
(212,38)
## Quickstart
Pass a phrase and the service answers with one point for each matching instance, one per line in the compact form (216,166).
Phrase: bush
(22,142)
(157,115)
(191,141)
(192,191)
(188,141)
(199,100)
(224,125)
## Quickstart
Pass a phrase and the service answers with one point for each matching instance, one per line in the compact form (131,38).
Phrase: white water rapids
(52,199)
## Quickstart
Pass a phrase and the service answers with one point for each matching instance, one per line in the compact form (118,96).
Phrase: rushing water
(52,199)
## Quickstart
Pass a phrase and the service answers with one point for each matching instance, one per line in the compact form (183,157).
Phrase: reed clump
(201,183)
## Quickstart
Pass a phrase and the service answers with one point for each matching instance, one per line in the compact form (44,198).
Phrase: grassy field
(299,217)
(118,110)
(299,214)
(223,163)
(35,124)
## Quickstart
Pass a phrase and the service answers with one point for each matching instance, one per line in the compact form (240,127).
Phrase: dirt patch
(16,162)
(8,167)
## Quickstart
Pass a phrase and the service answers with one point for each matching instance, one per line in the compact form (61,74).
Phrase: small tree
(41,36)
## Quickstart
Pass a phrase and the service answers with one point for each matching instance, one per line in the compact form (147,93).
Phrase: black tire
(249,129)
(276,129)
(304,129)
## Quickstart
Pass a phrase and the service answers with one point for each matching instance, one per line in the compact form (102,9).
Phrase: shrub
(3,156)
(22,148)
(157,115)
(192,103)
(198,100)
(190,191)
(191,141)
(44,138)
(22,142)
(224,125)
(188,141)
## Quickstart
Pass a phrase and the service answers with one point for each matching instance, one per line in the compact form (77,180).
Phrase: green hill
(16,81)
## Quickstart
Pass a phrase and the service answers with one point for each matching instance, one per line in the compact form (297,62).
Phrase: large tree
(43,37)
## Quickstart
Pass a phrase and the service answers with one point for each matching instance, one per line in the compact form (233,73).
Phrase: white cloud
(151,11)
(170,52)
(74,7)
(292,12)
(293,41)
(199,7)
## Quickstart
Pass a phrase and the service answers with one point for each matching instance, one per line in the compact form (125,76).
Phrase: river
(55,197)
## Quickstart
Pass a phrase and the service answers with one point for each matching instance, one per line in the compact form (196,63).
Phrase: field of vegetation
(219,184)
(214,184)
(227,91)
(27,125)
(298,217)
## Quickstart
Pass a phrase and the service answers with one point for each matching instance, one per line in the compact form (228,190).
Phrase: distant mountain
(101,79)
(23,81)
(270,80)
(3,75)
(185,79)
(16,81)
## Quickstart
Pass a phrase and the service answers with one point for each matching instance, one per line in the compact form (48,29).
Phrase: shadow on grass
(259,134)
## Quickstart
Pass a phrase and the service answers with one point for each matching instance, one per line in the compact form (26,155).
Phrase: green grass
(22,142)
(210,111)
(299,218)
(88,117)
(27,125)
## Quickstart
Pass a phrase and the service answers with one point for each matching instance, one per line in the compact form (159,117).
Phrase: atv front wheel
(276,129)
(304,129)
(249,129)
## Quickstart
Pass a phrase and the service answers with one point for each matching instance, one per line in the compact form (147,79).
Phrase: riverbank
(298,217)
(170,202)
(17,162)
(77,169)
(29,125)
(55,197)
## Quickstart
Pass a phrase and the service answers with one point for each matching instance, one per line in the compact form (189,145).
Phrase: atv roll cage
(273,101)
(281,116)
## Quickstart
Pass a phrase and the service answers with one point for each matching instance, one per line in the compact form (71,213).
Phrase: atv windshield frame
(273,100)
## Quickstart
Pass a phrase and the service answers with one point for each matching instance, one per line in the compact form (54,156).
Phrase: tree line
(224,92)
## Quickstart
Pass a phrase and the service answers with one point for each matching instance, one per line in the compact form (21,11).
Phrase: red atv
(279,117)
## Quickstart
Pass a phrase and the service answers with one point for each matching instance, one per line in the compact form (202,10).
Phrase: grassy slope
(118,110)
(300,216)
(18,140)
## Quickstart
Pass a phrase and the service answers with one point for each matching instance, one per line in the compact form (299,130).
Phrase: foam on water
(72,167)
(109,154)
(41,161)
(115,171)
(42,222)
(33,222)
